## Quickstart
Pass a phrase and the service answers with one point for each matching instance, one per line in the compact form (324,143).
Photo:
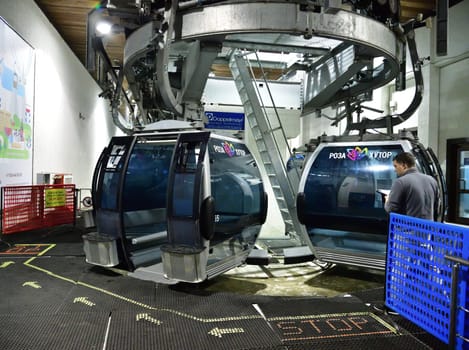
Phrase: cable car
(340,197)
(175,205)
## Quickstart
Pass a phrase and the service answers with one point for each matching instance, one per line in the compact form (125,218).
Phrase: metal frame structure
(170,50)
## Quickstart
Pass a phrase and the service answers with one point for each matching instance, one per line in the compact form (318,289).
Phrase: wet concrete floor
(305,279)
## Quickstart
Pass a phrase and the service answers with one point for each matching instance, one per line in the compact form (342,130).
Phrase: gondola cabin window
(347,180)
(236,184)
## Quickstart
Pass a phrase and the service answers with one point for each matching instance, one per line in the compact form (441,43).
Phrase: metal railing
(26,208)
(424,265)
(454,307)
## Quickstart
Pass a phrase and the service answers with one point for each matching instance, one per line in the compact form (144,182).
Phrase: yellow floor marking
(358,313)
(22,249)
(6,264)
(148,318)
(32,284)
(131,301)
(183,314)
(83,300)
(218,332)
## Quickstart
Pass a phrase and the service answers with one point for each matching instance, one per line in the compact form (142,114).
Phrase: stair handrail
(276,114)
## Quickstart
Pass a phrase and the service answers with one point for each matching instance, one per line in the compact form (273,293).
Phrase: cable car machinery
(171,46)
(351,229)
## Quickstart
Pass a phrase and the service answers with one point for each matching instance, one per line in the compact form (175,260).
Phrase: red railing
(27,208)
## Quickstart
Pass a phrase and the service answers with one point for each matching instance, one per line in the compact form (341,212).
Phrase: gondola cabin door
(189,209)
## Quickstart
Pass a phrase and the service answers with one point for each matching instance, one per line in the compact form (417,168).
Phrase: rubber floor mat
(170,330)
(57,301)
(53,332)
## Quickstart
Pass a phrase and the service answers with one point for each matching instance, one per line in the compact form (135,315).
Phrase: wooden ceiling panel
(410,9)
(70,18)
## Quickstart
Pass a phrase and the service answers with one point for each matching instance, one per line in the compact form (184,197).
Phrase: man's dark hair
(405,158)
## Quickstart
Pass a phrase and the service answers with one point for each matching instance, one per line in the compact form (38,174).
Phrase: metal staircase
(272,143)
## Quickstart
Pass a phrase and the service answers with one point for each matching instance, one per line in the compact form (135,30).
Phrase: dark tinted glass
(146,178)
(183,194)
(344,180)
(109,190)
(235,180)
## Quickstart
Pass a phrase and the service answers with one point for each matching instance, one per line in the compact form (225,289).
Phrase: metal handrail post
(454,294)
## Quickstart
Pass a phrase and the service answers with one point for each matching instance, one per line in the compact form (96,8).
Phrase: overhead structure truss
(163,57)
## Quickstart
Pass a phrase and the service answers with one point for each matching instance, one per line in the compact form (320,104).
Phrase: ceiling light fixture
(110,5)
(103,27)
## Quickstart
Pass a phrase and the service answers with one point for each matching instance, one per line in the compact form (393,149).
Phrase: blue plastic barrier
(418,276)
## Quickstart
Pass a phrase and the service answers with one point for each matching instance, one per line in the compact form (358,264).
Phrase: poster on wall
(16,108)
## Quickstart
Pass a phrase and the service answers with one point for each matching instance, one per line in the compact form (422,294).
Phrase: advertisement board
(16,108)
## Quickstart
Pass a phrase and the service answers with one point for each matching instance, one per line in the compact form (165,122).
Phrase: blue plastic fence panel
(418,277)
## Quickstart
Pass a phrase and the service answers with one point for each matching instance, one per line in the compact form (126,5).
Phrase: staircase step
(268,138)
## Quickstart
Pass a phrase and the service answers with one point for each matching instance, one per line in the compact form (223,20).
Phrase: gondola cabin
(340,197)
(175,205)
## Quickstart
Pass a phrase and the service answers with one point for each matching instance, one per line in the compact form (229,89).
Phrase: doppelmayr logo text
(214,118)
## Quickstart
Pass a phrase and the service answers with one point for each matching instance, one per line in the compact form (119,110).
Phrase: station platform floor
(50,298)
